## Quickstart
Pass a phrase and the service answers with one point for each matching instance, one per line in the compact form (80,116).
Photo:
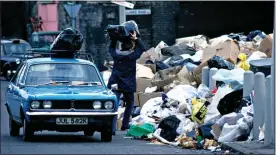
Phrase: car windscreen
(40,74)
(16,48)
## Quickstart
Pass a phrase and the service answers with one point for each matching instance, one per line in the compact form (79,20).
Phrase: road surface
(76,143)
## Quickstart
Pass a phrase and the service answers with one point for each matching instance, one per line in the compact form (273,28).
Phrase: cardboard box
(136,99)
(184,76)
(144,97)
(119,124)
(227,50)
(165,77)
(149,54)
(266,45)
(152,67)
(142,84)
(197,73)
(143,71)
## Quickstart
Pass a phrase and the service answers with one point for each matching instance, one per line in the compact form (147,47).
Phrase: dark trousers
(129,100)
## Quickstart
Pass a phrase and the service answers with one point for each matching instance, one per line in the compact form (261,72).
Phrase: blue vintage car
(60,94)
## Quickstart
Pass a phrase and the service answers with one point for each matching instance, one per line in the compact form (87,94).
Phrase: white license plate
(72,121)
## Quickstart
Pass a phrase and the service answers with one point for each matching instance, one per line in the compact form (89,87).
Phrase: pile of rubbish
(174,106)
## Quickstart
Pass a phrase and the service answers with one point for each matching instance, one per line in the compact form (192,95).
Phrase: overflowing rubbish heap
(174,107)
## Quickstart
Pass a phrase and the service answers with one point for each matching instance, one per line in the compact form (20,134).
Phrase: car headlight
(97,105)
(108,105)
(17,61)
(35,104)
(47,104)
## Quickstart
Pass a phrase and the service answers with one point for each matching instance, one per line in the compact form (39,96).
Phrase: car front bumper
(47,120)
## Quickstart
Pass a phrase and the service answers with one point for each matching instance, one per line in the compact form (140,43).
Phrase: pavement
(76,143)
(249,148)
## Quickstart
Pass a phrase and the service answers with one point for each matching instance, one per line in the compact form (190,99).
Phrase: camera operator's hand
(133,35)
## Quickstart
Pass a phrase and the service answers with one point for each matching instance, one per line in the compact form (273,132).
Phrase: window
(2,50)
(17,75)
(16,48)
(73,73)
(21,76)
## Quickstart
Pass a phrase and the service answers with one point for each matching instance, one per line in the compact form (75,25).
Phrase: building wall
(94,17)
(169,20)
(92,20)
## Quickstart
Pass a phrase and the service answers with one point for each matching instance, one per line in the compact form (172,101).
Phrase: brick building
(167,20)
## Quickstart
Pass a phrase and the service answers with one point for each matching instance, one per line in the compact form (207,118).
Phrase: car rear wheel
(89,132)
(106,135)
(14,128)
(28,131)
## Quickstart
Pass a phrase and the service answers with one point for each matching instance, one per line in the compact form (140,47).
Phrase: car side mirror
(114,87)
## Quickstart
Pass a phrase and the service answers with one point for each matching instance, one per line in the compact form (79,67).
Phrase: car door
(15,98)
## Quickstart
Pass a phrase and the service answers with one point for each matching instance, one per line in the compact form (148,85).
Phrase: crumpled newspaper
(186,142)
(209,142)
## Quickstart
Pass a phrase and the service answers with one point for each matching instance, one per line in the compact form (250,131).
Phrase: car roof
(57,60)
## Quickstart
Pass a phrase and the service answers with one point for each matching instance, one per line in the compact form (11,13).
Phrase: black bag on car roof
(67,43)
(261,65)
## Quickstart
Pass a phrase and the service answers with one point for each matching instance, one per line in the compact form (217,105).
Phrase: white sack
(213,112)
(233,77)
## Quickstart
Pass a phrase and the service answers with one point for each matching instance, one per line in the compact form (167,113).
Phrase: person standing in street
(123,77)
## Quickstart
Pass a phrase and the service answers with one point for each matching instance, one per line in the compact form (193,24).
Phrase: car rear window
(44,73)
(16,48)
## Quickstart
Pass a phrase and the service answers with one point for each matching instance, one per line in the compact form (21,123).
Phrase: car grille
(68,104)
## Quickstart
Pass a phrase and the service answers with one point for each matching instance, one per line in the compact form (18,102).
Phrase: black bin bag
(122,32)
(67,43)
(231,102)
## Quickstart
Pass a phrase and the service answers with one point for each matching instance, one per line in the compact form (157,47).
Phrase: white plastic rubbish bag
(203,91)
(233,77)
(229,133)
(199,41)
(106,76)
(182,92)
(185,126)
(151,105)
(230,119)
(213,112)
(255,56)
(142,119)
(158,51)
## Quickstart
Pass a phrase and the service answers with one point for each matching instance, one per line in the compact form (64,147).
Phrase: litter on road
(176,108)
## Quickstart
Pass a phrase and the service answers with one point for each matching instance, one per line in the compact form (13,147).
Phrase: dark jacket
(124,68)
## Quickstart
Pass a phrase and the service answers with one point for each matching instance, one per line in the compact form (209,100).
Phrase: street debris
(177,109)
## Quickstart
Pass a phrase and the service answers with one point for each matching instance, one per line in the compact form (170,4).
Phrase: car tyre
(106,135)
(28,131)
(14,127)
(89,132)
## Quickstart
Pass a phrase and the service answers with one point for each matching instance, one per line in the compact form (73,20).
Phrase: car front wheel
(106,135)
(14,128)
(28,132)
